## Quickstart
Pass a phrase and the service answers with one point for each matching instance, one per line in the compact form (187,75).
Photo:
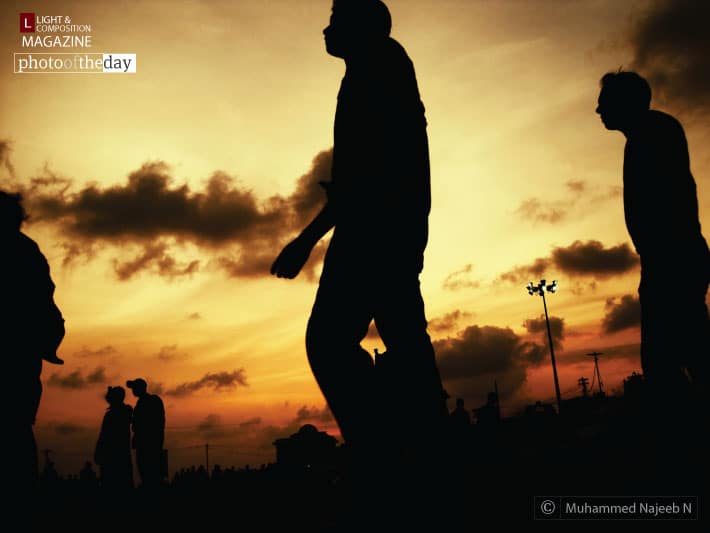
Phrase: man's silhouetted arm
(319,226)
(295,254)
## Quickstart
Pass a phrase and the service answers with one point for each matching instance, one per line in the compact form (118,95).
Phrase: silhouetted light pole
(596,370)
(583,382)
(540,289)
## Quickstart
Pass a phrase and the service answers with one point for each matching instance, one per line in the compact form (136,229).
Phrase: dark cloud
(626,313)
(154,257)
(97,376)
(578,288)
(313,414)
(169,353)
(77,380)
(539,326)
(157,214)
(580,197)
(534,209)
(589,258)
(449,321)
(671,47)
(194,316)
(104,351)
(155,387)
(576,185)
(217,381)
(523,273)
(436,326)
(211,427)
(461,279)
(478,356)
(5,150)
(250,423)
(259,262)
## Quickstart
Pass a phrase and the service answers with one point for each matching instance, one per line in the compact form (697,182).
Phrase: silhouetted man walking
(378,202)
(661,211)
(148,433)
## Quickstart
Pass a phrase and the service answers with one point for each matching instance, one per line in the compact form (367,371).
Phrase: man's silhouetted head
(624,97)
(12,214)
(354,24)
(138,386)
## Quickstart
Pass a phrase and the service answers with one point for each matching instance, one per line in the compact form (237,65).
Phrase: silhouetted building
(306,449)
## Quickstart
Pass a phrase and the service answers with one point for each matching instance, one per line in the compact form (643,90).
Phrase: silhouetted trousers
(675,345)
(149,463)
(24,391)
(355,289)
(675,327)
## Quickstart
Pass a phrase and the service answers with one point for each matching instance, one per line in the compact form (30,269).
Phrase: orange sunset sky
(160,199)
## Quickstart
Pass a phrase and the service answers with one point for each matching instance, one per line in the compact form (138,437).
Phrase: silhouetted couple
(31,329)
(113,448)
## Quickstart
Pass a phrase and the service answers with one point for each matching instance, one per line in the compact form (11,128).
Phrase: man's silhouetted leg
(418,411)
(674,344)
(343,369)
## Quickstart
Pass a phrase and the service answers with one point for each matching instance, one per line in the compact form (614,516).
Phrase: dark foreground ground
(488,476)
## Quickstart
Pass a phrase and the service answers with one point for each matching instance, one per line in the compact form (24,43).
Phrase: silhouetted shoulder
(396,83)
(26,263)
(396,55)
(27,246)
(662,123)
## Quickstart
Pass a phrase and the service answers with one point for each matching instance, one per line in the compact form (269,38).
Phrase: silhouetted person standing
(113,448)
(460,417)
(661,211)
(31,328)
(148,433)
(378,202)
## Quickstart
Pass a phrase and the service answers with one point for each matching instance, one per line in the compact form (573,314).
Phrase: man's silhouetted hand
(292,258)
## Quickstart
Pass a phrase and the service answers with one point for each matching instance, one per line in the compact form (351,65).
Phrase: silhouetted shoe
(53,359)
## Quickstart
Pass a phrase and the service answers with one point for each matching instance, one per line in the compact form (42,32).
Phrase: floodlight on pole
(540,289)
